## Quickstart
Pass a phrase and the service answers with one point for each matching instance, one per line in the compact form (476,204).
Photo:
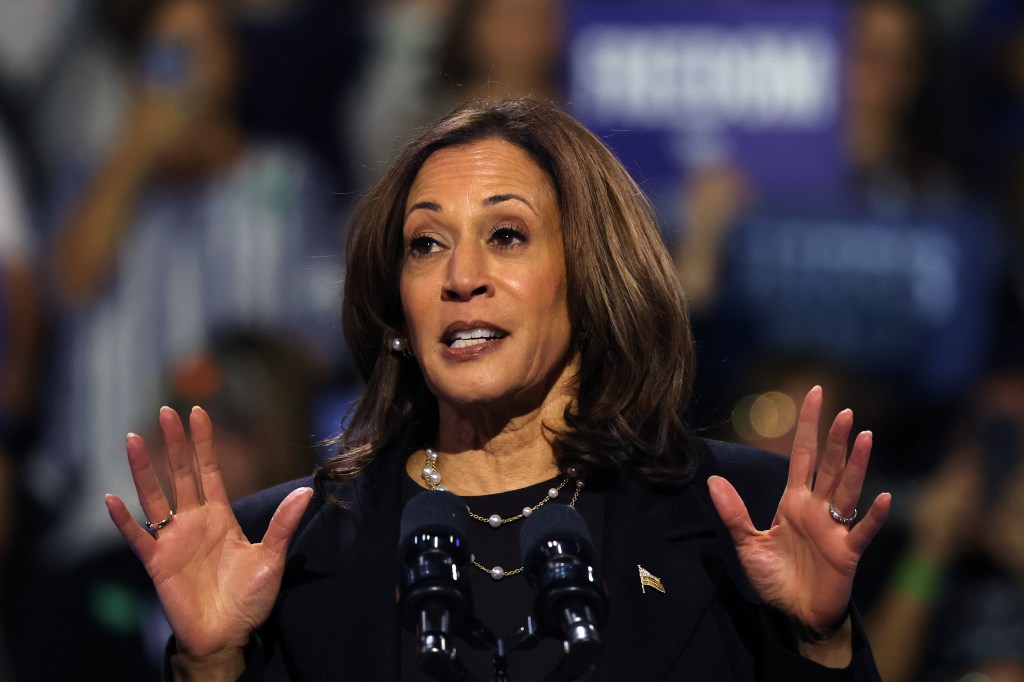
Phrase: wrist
(832,649)
(225,665)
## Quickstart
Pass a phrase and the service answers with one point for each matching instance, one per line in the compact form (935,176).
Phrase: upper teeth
(472,337)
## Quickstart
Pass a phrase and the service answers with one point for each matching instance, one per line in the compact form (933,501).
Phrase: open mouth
(472,337)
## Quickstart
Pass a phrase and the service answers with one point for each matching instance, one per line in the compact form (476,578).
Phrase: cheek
(416,307)
(544,299)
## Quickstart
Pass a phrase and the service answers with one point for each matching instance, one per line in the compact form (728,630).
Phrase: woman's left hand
(803,566)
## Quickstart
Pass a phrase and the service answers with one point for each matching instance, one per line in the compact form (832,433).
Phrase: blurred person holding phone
(188,226)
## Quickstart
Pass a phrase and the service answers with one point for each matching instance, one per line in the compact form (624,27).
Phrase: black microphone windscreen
(552,521)
(433,508)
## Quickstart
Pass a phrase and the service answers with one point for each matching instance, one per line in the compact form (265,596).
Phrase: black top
(503,605)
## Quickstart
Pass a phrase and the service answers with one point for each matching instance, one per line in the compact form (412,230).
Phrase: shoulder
(759,476)
(743,461)
(255,511)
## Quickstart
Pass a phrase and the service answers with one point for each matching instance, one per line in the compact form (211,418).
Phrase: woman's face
(483,281)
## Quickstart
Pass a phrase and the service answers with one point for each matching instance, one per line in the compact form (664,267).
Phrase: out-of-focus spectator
(889,276)
(505,48)
(886,138)
(298,58)
(427,56)
(953,603)
(885,70)
(187,227)
(259,389)
(82,105)
(20,314)
(20,341)
(396,91)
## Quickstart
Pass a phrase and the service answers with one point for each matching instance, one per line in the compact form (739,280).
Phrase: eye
(507,236)
(422,245)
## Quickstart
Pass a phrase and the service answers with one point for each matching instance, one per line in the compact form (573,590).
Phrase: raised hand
(803,566)
(215,586)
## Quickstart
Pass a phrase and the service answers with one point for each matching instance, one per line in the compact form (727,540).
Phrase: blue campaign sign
(673,86)
(908,297)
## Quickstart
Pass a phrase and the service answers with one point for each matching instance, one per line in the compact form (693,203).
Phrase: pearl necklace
(432,477)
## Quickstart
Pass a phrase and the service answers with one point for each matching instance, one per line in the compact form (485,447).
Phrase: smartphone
(166,64)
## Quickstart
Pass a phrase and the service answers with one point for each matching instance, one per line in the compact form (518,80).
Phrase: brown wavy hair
(626,307)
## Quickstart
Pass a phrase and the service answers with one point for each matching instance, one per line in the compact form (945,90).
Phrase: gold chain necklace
(432,477)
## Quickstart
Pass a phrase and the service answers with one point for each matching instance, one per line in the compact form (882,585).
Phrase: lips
(472,333)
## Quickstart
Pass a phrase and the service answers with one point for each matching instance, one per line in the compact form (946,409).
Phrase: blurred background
(842,185)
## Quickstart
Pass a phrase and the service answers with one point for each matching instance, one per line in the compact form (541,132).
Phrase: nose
(467,275)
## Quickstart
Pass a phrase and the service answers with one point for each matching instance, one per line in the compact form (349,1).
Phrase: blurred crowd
(175,177)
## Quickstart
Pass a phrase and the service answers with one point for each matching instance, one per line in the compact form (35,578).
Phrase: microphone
(434,598)
(569,602)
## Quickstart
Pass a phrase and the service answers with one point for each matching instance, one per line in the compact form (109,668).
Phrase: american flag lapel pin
(648,579)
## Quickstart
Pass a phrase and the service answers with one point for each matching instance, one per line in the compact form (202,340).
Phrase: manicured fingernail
(129,436)
(196,407)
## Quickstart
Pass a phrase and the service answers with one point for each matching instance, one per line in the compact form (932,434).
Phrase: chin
(468,394)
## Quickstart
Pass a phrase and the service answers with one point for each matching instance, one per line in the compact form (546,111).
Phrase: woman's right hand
(215,586)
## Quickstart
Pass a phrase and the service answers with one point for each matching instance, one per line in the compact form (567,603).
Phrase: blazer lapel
(670,535)
(346,562)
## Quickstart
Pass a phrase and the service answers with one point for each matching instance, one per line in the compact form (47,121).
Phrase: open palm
(215,586)
(804,565)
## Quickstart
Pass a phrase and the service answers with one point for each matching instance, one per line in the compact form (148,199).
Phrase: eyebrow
(429,205)
(489,201)
(499,198)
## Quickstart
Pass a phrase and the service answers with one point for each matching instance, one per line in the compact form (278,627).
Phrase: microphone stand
(442,661)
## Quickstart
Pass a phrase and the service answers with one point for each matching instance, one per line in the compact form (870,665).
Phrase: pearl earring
(400,345)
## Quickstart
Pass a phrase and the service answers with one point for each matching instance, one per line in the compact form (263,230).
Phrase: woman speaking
(524,342)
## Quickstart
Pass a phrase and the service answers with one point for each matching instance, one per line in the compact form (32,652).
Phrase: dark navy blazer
(336,616)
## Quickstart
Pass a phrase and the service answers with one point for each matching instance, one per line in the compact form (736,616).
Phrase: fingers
(731,509)
(151,496)
(286,519)
(180,458)
(830,468)
(211,482)
(141,542)
(862,533)
(847,491)
(805,444)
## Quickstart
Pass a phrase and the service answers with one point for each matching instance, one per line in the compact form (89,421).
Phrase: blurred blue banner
(674,86)
(908,296)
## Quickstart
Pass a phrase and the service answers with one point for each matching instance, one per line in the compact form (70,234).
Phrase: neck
(482,452)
